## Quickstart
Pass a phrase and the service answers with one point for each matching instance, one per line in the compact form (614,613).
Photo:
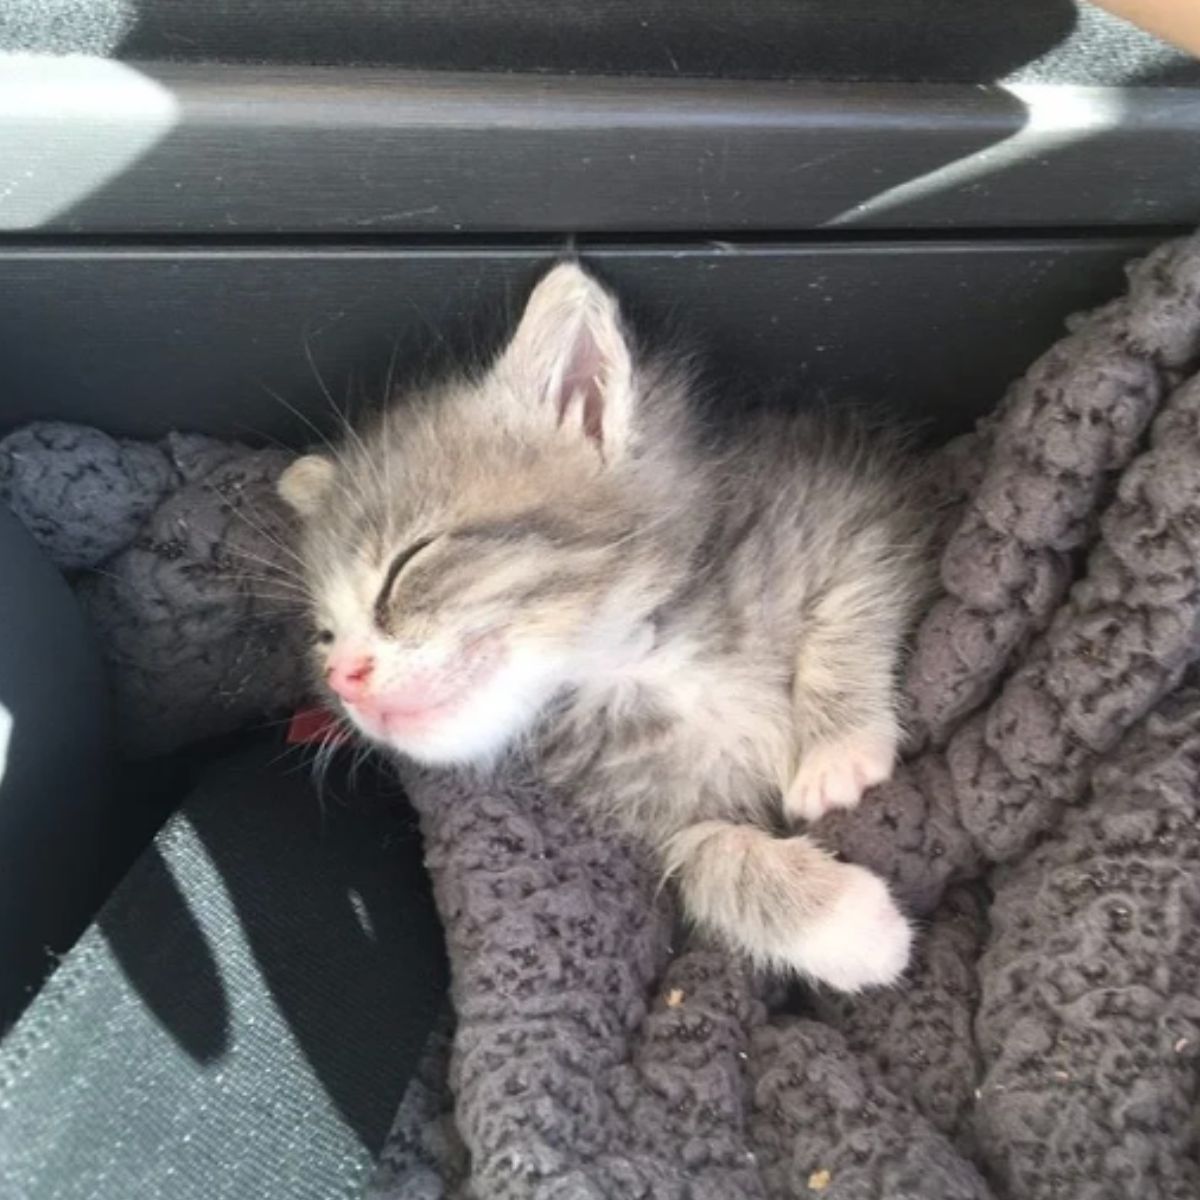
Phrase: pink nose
(350,676)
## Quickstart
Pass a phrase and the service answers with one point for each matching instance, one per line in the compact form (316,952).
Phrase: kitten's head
(497,539)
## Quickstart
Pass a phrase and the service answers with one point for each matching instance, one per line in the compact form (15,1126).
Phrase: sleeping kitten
(696,633)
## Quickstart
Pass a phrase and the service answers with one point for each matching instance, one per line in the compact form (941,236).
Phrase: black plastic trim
(94,146)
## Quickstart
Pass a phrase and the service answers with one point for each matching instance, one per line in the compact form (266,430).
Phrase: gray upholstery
(243,1017)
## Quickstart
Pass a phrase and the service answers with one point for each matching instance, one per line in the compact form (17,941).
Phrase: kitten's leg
(844,696)
(789,904)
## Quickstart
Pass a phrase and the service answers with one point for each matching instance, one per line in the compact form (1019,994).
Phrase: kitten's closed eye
(393,572)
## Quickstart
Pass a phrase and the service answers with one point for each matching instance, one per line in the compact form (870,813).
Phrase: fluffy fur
(700,632)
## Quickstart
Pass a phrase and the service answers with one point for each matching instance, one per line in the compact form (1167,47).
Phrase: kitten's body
(693,630)
(784,530)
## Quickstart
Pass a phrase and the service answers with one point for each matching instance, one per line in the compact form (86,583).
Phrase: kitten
(696,632)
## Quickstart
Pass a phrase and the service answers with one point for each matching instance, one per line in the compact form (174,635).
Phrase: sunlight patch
(6,728)
(1057,115)
(68,127)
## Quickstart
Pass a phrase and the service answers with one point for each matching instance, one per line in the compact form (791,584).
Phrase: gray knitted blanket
(1046,1039)
(1045,1042)
(178,554)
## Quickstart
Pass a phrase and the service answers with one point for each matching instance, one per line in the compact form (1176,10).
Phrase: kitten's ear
(305,484)
(571,353)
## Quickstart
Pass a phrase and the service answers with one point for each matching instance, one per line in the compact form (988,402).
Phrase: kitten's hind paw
(835,774)
(861,941)
(789,904)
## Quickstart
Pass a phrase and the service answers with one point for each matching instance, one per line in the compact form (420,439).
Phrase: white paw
(836,774)
(862,940)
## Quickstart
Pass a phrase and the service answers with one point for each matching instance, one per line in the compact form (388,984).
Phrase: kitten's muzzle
(386,701)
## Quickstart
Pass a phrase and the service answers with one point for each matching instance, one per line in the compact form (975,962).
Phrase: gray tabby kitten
(696,634)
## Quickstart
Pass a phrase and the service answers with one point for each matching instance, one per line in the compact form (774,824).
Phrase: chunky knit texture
(175,550)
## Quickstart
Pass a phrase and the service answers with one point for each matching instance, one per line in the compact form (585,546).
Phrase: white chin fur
(487,722)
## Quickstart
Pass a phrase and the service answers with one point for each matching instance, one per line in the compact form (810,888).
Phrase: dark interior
(937,40)
(892,203)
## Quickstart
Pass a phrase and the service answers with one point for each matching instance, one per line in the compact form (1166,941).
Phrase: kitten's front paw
(863,940)
(836,774)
